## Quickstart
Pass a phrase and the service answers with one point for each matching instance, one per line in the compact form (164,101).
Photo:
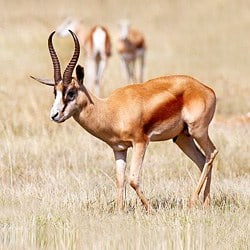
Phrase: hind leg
(200,134)
(188,146)
(207,198)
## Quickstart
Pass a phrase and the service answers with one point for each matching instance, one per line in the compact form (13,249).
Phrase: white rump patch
(99,38)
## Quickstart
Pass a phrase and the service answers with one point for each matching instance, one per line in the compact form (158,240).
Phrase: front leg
(139,150)
(120,160)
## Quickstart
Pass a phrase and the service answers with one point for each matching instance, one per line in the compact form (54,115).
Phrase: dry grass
(58,183)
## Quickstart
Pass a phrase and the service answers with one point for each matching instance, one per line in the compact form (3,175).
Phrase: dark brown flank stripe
(163,112)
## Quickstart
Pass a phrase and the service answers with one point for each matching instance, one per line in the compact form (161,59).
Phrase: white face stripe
(58,104)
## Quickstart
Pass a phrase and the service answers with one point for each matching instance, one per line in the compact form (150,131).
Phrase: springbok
(96,43)
(171,107)
(131,46)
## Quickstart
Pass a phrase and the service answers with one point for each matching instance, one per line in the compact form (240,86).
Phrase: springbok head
(66,88)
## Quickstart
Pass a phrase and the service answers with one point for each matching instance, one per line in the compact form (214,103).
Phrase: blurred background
(206,39)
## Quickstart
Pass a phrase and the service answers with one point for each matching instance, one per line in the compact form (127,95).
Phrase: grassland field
(57,183)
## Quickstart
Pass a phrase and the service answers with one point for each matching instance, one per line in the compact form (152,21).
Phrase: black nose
(54,116)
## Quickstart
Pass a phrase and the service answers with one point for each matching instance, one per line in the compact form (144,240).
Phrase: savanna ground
(58,183)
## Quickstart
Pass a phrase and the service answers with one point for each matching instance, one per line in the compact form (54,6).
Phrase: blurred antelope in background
(171,107)
(77,26)
(131,46)
(97,46)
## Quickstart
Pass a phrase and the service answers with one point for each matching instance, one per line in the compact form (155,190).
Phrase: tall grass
(58,183)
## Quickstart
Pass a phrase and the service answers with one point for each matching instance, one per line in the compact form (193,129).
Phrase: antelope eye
(71,95)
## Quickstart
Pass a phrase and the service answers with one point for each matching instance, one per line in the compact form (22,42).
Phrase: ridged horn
(44,81)
(67,75)
(55,60)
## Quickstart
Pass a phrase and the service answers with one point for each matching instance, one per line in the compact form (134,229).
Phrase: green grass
(57,183)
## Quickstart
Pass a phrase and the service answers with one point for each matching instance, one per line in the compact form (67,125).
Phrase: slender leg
(142,67)
(210,151)
(97,80)
(204,163)
(132,71)
(139,150)
(90,73)
(187,145)
(120,159)
(101,68)
(207,198)
(125,69)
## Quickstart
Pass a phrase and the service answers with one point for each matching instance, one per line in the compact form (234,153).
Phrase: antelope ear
(44,81)
(80,74)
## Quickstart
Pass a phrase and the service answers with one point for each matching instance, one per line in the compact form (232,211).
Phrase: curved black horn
(55,60)
(67,75)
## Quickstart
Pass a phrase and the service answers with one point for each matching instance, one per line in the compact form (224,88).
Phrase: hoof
(194,201)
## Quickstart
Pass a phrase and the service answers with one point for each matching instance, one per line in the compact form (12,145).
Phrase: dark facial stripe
(64,107)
